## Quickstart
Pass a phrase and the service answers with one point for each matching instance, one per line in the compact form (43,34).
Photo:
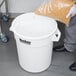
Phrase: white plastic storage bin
(34,36)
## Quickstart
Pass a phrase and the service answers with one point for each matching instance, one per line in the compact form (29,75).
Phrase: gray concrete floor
(9,65)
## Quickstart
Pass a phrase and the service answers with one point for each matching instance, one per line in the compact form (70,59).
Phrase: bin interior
(32,25)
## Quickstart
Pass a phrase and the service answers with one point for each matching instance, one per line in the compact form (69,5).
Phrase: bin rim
(34,38)
(29,37)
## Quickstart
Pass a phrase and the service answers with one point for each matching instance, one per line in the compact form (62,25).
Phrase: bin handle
(56,35)
(25,41)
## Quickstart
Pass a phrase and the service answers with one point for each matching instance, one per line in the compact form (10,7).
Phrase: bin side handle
(25,41)
(56,35)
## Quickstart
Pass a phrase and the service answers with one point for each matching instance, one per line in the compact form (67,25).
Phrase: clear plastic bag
(57,9)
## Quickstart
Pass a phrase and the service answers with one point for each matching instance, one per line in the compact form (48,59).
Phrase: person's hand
(66,16)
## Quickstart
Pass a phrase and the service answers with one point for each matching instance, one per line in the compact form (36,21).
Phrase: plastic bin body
(34,53)
(35,57)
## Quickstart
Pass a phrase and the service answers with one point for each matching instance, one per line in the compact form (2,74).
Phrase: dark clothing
(70,35)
